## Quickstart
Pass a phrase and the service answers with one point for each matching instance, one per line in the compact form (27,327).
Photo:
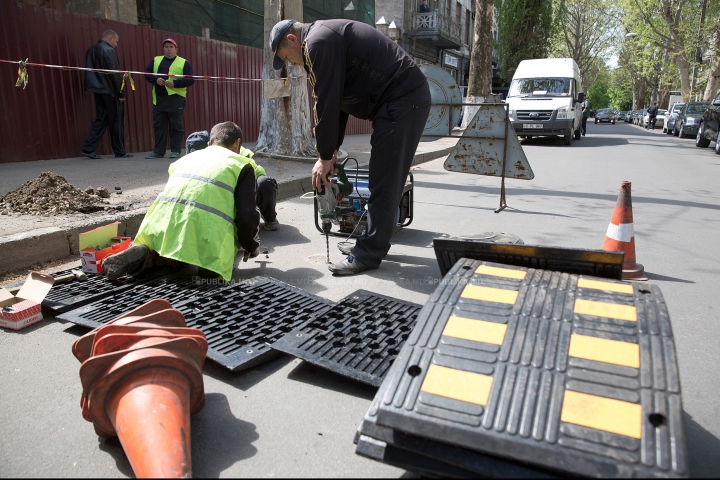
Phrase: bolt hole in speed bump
(564,373)
(141,375)
(359,337)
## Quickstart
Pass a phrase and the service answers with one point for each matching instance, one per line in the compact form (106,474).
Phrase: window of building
(468,28)
(458,14)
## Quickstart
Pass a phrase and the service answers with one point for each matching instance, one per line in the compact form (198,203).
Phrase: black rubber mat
(240,321)
(560,371)
(428,457)
(173,288)
(359,337)
(569,260)
(72,294)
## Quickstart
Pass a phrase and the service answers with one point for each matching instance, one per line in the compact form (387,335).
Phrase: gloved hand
(251,254)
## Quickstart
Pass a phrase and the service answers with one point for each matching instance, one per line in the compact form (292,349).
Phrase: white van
(544,98)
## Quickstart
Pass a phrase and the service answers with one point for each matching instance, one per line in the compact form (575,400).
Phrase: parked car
(605,115)
(621,116)
(659,118)
(631,116)
(688,119)
(639,117)
(709,128)
(671,116)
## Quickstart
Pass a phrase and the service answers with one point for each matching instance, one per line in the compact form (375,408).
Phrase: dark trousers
(266,199)
(109,114)
(584,123)
(168,116)
(397,128)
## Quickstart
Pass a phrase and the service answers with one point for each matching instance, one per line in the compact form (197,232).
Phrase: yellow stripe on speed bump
(475,330)
(457,384)
(605,309)
(489,294)
(604,350)
(600,413)
(607,286)
(501,272)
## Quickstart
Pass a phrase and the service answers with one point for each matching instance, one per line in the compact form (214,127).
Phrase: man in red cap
(169,93)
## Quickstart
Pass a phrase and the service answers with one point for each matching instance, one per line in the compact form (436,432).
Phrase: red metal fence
(51,117)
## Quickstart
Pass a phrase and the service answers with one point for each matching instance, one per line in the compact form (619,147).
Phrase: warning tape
(126,73)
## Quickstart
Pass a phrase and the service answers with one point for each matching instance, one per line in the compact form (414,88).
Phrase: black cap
(197,141)
(276,35)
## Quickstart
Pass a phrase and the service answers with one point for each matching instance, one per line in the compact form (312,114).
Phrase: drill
(328,199)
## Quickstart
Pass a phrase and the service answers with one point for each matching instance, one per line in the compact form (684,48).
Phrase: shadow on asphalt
(563,193)
(319,377)
(585,142)
(219,439)
(246,379)
(112,447)
(703,448)
(664,278)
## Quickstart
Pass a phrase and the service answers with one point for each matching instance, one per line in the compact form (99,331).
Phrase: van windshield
(540,87)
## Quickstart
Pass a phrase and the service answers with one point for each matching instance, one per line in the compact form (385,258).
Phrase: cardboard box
(97,244)
(23,309)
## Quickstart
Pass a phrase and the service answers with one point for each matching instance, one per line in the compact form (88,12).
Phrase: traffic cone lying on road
(142,379)
(620,236)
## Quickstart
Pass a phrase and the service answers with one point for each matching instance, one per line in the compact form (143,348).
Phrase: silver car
(671,116)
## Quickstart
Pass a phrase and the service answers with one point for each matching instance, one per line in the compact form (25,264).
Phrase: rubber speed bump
(578,375)
(359,337)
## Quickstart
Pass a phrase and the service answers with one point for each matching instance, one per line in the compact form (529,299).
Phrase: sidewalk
(26,240)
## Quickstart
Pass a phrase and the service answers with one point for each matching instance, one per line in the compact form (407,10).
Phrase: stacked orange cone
(620,236)
(142,379)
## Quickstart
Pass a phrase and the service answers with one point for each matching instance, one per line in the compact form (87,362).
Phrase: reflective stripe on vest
(205,179)
(176,68)
(191,203)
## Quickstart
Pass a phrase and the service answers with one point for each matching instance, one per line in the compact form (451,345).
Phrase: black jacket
(102,55)
(652,111)
(354,69)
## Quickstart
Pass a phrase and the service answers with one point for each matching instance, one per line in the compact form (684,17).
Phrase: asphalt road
(287,418)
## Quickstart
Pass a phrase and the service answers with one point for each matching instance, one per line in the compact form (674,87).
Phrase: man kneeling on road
(205,212)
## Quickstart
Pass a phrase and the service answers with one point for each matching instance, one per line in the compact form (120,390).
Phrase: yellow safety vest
(193,219)
(176,68)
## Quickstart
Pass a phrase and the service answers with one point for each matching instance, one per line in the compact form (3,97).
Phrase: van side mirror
(716,101)
(581,97)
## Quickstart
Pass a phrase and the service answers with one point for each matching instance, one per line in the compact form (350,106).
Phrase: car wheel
(567,138)
(578,134)
(665,130)
(681,131)
(613,122)
(700,140)
(675,131)
(717,143)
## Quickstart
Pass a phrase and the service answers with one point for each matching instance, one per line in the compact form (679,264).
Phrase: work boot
(115,266)
(175,154)
(349,266)
(271,226)
(155,155)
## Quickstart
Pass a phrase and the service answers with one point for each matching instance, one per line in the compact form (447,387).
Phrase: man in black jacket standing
(169,92)
(355,70)
(109,111)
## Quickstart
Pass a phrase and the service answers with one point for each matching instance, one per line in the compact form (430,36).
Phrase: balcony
(435,29)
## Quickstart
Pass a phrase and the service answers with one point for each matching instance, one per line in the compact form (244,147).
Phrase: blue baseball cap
(276,35)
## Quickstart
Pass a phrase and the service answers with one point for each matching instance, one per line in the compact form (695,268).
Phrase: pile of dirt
(51,194)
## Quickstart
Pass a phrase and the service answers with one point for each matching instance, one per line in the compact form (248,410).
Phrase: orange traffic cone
(620,236)
(142,379)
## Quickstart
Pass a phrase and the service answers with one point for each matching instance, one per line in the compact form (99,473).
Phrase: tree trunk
(713,75)
(285,121)
(684,71)
(480,81)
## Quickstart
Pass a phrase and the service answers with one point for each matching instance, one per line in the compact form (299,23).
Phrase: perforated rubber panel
(570,260)
(428,457)
(359,337)
(72,294)
(572,373)
(173,288)
(240,321)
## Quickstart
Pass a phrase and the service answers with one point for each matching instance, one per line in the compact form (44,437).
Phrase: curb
(51,243)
